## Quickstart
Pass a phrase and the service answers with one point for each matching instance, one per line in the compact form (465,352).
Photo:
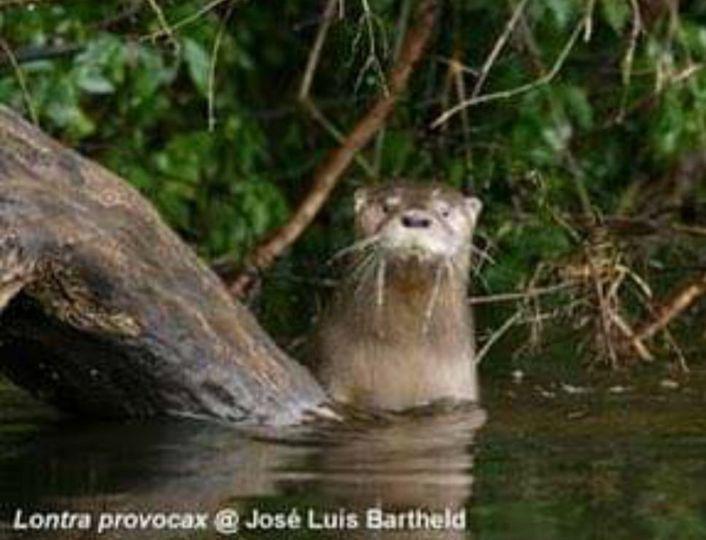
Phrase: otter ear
(473,206)
(360,198)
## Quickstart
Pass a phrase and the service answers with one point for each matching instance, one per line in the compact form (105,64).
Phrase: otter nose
(414,220)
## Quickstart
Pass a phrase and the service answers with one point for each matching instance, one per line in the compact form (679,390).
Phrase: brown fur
(407,340)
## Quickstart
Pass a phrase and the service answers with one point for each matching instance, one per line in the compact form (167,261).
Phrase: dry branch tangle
(112,314)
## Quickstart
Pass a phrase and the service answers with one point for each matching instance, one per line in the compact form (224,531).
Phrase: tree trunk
(105,312)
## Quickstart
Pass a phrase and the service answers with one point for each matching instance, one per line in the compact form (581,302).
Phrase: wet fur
(399,332)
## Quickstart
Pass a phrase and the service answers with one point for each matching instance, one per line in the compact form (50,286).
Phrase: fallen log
(105,312)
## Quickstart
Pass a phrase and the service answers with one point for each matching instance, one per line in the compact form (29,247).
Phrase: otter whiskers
(380,293)
(361,270)
(433,298)
(360,245)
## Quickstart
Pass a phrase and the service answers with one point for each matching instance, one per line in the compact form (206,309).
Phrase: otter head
(429,222)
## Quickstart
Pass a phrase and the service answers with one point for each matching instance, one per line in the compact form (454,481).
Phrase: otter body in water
(399,332)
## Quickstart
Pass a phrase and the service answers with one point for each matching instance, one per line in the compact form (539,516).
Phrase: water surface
(543,460)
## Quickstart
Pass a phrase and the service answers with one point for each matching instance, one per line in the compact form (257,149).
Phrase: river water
(542,460)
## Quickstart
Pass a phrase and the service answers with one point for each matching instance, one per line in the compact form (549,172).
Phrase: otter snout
(415,219)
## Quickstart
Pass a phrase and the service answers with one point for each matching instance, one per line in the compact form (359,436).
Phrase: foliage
(607,134)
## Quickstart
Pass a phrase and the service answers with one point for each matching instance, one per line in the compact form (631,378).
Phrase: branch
(168,30)
(680,299)
(164,25)
(498,47)
(312,64)
(522,295)
(507,94)
(338,160)
(19,74)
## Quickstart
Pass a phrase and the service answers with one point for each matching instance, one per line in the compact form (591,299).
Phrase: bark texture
(105,312)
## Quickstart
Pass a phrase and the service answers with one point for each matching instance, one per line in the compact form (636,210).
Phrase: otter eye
(444,211)
(388,206)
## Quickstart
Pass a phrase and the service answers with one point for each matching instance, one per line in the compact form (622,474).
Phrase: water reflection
(421,461)
(549,464)
(413,462)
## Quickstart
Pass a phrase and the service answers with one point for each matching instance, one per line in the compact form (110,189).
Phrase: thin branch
(497,48)
(183,22)
(315,53)
(372,60)
(19,74)
(634,35)
(588,30)
(339,137)
(630,55)
(401,31)
(500,332)
(675,304)
(510,93)
(162,20)
(454,63)
(331,170)
(635,341)
(212,67)
(456,72)
(524,295)
(312,64)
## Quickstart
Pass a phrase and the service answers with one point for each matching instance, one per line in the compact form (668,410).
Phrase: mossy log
(105,312)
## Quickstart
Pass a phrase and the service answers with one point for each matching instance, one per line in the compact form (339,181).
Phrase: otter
(399,333)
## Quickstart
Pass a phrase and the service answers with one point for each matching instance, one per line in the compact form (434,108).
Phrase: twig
(304,95)
(183,22)
(693,230)
(372,59)
(667,335)
(212,67)
(524,295)
(500,332)
(512,92)
(331,170)
(677,301)
(456,70)
(315,53)
(456,75)
(339,137)
(497,48)
(630,55)
(161,19)
(588,30)
(454,63)
(605,311)
(634,34)
(634,340)
(687,72)
(19,74)
(401,31)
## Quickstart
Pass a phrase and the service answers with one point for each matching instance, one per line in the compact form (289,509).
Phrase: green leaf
(577,106)
(93,82)
(616,13)
(562,11)
(198,63)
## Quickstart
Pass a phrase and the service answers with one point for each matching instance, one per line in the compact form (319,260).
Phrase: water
(549,461)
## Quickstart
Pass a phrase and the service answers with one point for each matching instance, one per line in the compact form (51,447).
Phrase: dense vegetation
(587,142)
